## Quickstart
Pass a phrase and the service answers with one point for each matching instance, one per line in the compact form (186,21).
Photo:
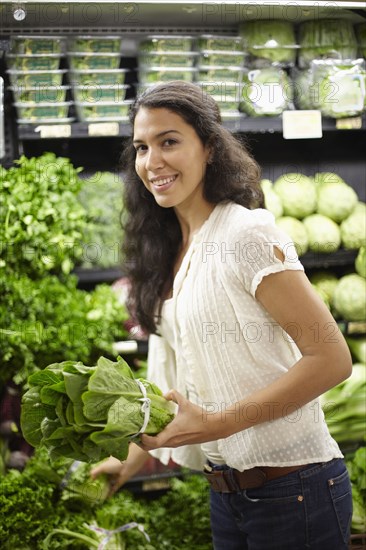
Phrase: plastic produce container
(167,59)
(269,42)
(88,60)
(31,62)
(266,92)
(97,77)
(26,45)
(219,43)
(102,44)
(219,73)
(102,110)
(221,58)
(39,94)
(35,112)
(93,93)
(36,78)
(222,90)
(167,42)
(361,39)
(164,74)
(326,39)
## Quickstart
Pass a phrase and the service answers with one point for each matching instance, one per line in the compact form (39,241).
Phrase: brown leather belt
(231,480)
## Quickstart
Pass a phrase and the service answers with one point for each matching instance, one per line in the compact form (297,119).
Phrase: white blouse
(230,346)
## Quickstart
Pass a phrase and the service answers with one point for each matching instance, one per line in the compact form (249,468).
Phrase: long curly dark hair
(152,234)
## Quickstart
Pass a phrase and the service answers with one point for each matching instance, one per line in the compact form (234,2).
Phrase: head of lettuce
(88,413)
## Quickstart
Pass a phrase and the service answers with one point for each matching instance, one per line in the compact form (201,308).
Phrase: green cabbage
(303,89)
(326,281)
(360,262)
(322,295)
(296,231)
(361,37)
(336,201)
(266,92)
(271,199)
(349,297)
(353,229)
(323,233)
(89,413)
(325,178)
(269,41)
(297,193)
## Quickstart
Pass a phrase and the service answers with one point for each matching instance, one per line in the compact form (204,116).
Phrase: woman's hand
(120,472)
(191,425)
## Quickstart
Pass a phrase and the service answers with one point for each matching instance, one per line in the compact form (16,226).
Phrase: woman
(236,330)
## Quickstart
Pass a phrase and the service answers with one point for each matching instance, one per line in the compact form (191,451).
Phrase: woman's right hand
(120,472)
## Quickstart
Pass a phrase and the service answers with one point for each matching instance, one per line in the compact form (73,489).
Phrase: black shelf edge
(341,257)
(242,124)
(98,275)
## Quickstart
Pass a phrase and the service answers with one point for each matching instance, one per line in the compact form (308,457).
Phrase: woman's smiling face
(170,157)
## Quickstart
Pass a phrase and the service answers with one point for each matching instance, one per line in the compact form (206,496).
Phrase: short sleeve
(254,239)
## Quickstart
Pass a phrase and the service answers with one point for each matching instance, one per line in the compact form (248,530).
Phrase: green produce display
(97,77)
(349,297)
(353,228)
(326,38)
(297,193)
(36,78)
(323,233)
(92,44)
(361,38)
(33,62)
(304,91)
(326,281)
(219,43)
(344,407)
(167,59)
(102,238)
(269,41)
(98,110)
(357,345)
(35,45)
(95,60)
(39,94)
(218,74)
(225,58)
(271,199)
(166,42)
(34,112)
(360,262)
(162,74)
(44,319)
(39,513)
(296,231)
(89,413)
(266,92)
(356,465)
(336,201)
(340,87)
(41,219)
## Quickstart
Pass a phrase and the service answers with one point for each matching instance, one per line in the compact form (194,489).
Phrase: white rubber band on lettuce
(145,407)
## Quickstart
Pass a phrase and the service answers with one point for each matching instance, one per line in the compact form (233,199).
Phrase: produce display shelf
(340,257)
(98,275)
(242,124)
(352,327)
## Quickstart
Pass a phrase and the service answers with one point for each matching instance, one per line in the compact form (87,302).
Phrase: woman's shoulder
(236,218)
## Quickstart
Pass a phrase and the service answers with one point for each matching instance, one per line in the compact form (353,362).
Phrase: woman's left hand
(191,425)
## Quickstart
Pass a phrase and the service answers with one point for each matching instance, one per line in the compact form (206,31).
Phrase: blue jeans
(309,509)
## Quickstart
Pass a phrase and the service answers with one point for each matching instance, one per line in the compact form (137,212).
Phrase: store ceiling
(182,16)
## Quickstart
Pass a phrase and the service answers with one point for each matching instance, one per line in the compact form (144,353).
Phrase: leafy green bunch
(89,413)
(41,219)
(356,465)
(46,319)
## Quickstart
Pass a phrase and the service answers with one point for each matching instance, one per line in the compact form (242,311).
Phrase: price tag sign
(302,124)
(103,129)
(354,123)
(54,130)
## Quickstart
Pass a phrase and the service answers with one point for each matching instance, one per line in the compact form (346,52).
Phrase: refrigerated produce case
(96,143)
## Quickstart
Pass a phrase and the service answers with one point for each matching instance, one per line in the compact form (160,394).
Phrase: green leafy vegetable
(296,231)
(89,413)
(360,262)
(271,199)
(356,465)
(269,41)
(336,210)
(266,92)
(349,297)
(323,233)
(345,407)
(297,193)
(353,228)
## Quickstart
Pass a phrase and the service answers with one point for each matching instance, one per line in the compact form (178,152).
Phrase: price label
(354,123)
(302,124)
(103,129)
(54,130)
